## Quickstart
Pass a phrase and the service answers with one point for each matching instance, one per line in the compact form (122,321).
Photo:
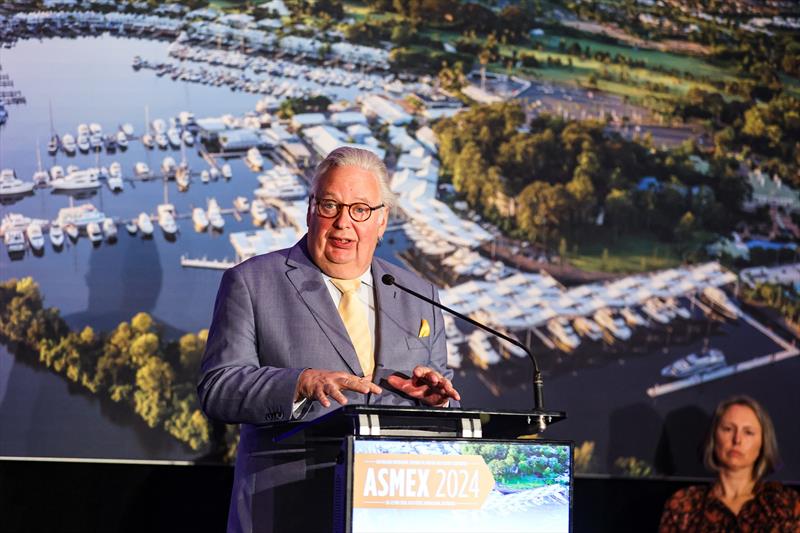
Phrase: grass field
(628,254)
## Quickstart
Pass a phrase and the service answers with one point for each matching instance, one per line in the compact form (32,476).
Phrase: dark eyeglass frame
(340,205)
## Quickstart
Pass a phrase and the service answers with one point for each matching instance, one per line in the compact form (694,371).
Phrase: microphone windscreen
(387,279)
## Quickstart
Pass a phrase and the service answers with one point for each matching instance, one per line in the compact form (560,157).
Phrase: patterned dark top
(774,508)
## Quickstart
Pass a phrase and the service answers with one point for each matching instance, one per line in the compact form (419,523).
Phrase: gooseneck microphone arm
(538,384)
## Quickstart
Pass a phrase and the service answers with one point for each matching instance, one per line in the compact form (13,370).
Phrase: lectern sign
(411,481)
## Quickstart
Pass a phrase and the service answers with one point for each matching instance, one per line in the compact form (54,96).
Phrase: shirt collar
(366,277)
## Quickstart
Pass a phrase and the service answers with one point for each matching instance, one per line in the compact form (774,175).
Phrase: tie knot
(347,285)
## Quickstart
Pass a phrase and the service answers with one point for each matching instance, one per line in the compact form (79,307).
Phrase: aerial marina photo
(575,181)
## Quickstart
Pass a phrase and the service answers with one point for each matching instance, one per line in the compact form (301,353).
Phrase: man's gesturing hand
(426,385)
(319,384)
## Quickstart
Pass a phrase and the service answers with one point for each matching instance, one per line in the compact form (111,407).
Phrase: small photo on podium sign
(460,485)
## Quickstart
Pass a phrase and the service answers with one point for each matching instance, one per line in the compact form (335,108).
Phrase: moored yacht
(615,325)
(77,180)
(694,364)
(93,232)
(632,318)
(122,140)
(141,169)
(131,226)
(127,129)
(83,143)
(259,211)
(72,231)
(68,144)
(56,234)
(115,177)
(187,137)
(563,334)
(110,229)
(10,185)
(241,204)
(35,236)
(174,137)
(145,224)
(79,216)
(720,302)
(168,166)
(205,177)
(587,327)
(227,172)
(161,141)
(56,172)
(148,141)
(14,240)
(254,158)
(654,310)
(166,218)
(214,215)
(200,219)
(182,177)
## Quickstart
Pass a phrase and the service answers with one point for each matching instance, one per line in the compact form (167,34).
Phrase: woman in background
(742,449)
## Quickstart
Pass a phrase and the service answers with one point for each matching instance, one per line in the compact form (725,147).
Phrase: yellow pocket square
(424,329)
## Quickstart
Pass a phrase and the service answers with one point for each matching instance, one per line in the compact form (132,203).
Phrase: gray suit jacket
(273,318)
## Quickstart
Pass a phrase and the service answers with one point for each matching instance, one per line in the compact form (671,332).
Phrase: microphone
(538,384)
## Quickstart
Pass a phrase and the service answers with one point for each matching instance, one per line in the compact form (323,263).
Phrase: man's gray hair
(349,156)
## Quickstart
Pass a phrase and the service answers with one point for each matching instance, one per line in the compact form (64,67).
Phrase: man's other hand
(426,385)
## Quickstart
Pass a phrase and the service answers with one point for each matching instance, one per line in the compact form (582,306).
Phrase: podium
(377,468)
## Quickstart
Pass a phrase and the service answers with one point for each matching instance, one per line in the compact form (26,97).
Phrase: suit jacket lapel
(310,285)
(387,313)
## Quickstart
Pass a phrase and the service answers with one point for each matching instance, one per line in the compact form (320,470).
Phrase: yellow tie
(356,321)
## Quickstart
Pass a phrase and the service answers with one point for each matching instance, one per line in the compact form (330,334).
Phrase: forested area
(556,178)
(132,365)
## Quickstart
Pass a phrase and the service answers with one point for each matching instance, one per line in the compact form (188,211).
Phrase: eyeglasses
(359,211)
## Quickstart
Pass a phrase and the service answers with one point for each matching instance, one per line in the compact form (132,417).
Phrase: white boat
(694,364)
(96,141)
(588,328)
(141,169)
(56,234)
(127,129)
(78,180)
(254,158)
(241,204)
(159,126)
(214,173)
(41,178)
(205,177)
(615,325)
(56,172)
(83,143)
(166,218)
(115,177)
(93,232)
(148,141)
(68,143)
(655,311)
(174,137)
(131,226)
(720,302)
(161,140)
(214,215)
(182,177)
(227,172)
(35,236)
(632,318)
(563,334)
(200,219)
(79,216)
(14,240)
(145,224)
(52,146)
(95,128)
(110,229)
(259,211)
(72,168)
(83,130)
(187,138)
(11,185)
(71,230)
(168,166)
(122,140)
(674,305)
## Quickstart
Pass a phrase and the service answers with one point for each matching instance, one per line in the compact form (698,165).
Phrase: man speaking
(299,332)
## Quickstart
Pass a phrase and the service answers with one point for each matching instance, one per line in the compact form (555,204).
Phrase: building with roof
(771,192)
(386,111)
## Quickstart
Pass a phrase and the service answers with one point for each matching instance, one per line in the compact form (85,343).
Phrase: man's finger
(319,394)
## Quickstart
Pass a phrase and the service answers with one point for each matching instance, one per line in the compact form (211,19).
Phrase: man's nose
(343,219)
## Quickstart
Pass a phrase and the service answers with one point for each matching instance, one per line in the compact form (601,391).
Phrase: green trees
(128,365)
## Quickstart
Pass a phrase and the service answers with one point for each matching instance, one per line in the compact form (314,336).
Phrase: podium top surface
(350,420)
